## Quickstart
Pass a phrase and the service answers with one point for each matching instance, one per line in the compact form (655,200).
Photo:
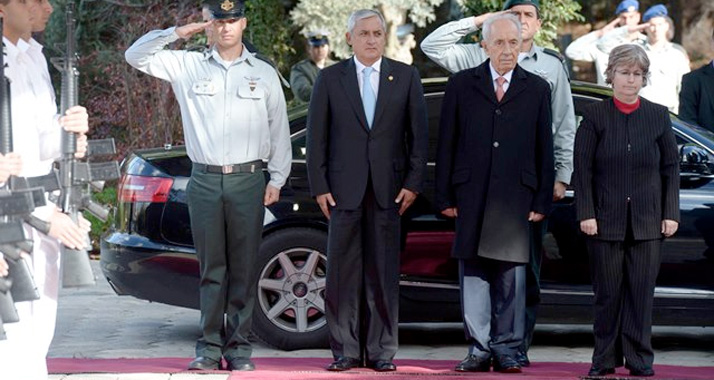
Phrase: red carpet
(313,368)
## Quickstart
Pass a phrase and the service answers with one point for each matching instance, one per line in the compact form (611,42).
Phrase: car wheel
(290,305)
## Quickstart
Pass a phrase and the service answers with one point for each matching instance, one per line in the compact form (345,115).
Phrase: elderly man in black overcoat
(494,174)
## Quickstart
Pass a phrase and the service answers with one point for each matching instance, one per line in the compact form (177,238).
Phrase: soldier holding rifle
(36,137)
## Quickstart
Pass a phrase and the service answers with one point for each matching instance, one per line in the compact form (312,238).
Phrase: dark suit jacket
(343,153)
(494,161)
(626,159)
(696,98)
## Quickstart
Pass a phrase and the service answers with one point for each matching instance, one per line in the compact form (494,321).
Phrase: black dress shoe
(522,359)
(344,363)
(384,366)
(600,371)
(203,363)
(506,364)
(241,364)
(473,363)
(644,372)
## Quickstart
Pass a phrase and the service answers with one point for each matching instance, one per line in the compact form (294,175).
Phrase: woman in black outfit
(627,184)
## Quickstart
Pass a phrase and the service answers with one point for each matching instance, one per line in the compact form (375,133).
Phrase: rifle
(76,178)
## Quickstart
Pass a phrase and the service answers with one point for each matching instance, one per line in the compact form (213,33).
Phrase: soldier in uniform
(234,118)
(37,140)
(585,48)
(668,63)
(304,73)
(442,47)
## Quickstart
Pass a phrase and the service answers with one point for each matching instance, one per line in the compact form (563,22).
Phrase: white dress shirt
(373,79)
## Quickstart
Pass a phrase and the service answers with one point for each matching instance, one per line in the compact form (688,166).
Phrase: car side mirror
(694,166)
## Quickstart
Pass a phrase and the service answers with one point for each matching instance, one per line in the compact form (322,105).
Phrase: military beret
(657,10)
(627,6)
(226,9)
(512,3)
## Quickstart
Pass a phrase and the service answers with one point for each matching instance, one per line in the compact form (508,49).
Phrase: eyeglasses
(627,74)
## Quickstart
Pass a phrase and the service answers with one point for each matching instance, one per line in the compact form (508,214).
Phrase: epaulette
(554,53)
(272,64)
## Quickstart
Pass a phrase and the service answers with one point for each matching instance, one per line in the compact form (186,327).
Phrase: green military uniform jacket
(302,78)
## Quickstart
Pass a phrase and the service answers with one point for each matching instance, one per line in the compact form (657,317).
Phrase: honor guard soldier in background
(585,48)
(442,47)
(304,73)
(668,63)
(234,118)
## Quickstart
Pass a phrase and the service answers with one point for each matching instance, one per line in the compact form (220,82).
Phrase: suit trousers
(623,276)
(227,224)
(23,355)
(362,290)
(530,292)
(488,301)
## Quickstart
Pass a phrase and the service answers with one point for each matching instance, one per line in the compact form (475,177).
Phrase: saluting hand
(188,30)
(609,27)
(669,227)
(639,27)
(406,198)
(325,201)
(589,226)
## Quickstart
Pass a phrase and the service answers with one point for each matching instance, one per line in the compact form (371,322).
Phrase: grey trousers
(227,224)
(488,300)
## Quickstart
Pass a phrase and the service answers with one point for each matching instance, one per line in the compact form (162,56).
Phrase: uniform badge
(227,5)
(252,82)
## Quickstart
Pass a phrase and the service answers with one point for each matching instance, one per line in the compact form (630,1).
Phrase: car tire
(289,310)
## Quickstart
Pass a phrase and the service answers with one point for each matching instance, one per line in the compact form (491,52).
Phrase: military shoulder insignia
(554,53)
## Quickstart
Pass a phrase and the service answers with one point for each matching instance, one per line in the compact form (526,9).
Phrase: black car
(149,252)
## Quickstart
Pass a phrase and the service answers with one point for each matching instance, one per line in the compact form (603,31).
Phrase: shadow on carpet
(313,368)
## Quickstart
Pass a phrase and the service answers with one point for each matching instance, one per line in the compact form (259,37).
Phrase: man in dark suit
(366,158)
(696,97)
(494,174)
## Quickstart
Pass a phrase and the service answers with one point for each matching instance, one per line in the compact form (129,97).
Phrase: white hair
(487,25)
(363,14)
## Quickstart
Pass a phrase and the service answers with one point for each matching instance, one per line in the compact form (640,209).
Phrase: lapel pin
(391,78)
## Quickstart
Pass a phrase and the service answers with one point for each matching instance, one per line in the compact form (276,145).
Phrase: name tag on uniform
(204,87)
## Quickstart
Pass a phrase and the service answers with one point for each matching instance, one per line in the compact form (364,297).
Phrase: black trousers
(227,224)
(623,276)
(362,290)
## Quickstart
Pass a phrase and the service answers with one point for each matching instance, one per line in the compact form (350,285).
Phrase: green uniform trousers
(226,222)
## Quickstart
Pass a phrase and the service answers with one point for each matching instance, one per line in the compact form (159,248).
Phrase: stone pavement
(94,322)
